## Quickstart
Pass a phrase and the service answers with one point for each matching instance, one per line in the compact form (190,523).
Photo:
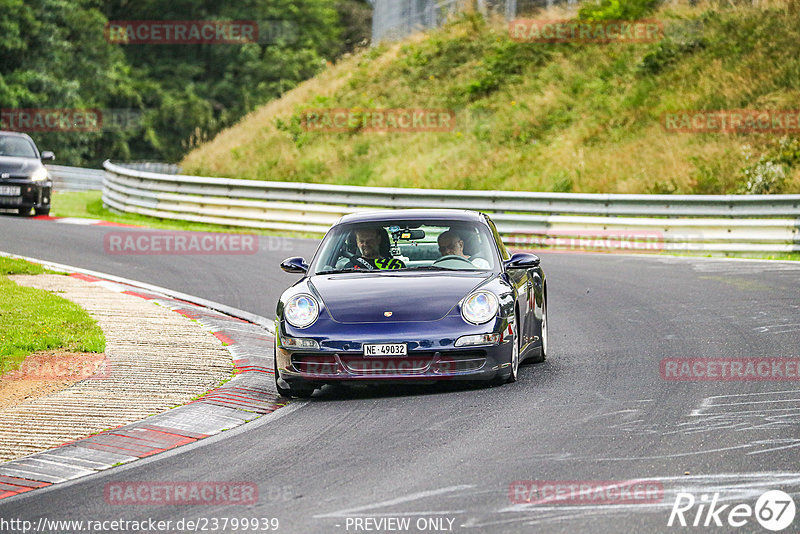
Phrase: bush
(681,39)
(617,10)
(763,177)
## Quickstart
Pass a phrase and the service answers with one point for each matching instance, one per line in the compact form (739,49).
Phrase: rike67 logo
(774,510)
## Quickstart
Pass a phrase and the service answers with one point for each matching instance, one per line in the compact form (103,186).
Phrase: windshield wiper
(348,270)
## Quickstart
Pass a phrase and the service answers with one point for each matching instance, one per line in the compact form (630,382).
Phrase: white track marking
(732,487)
(78,220)
(400,500)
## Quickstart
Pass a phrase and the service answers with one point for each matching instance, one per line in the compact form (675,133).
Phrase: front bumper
(432,354)
(30,194)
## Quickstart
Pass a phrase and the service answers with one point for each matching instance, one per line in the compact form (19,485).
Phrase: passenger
(368,241)
(451,244)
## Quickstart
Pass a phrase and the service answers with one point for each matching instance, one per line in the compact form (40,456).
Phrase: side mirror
(295,265)
(522,260)
(48,156)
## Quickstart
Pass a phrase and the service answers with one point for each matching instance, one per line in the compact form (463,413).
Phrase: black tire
(288,392)
(514,374)
(42,211)
(515,354)
(543,331)
(24,212)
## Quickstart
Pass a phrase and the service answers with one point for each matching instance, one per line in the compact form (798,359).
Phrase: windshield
(14,146)
(406,245)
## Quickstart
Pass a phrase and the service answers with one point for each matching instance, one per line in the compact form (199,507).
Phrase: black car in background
(24,181)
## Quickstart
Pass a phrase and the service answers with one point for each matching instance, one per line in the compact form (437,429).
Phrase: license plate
(10,190)
(385,349)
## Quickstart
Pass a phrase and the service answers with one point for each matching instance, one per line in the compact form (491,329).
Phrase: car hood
(367,297)
(18,166)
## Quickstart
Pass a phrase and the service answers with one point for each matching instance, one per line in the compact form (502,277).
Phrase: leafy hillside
(57,55)
(548,117)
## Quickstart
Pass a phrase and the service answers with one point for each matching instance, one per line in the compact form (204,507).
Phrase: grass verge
(33,320)
(563,117)
(16,266)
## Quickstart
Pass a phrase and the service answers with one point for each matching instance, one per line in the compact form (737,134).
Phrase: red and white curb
(82,221)
(248,395)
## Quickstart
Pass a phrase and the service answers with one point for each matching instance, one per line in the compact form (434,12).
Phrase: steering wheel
(452,257)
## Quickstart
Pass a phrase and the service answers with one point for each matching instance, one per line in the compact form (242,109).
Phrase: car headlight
(299,343)
(39,175)
(478,339)
(480,307)
(301,310)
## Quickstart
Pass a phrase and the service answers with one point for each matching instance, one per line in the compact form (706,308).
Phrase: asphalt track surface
(596,410)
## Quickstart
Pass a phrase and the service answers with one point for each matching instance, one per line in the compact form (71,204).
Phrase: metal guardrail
(150,166)
(76,178)
(82,179)
(709,223)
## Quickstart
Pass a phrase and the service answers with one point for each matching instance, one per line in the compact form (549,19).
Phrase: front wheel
(42,211)
(24,212)
(543,350)
(514,355)
(288,392)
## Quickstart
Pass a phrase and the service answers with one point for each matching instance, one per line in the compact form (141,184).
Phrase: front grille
(416,363)
(316,364)
(462,361)
(413,364)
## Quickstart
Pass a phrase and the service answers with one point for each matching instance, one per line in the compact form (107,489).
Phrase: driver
(368,241)
(451,244)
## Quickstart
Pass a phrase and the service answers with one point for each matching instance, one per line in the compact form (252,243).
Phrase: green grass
(789,256)
(17,266)
(543,117)
(33,320)
(89,205)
